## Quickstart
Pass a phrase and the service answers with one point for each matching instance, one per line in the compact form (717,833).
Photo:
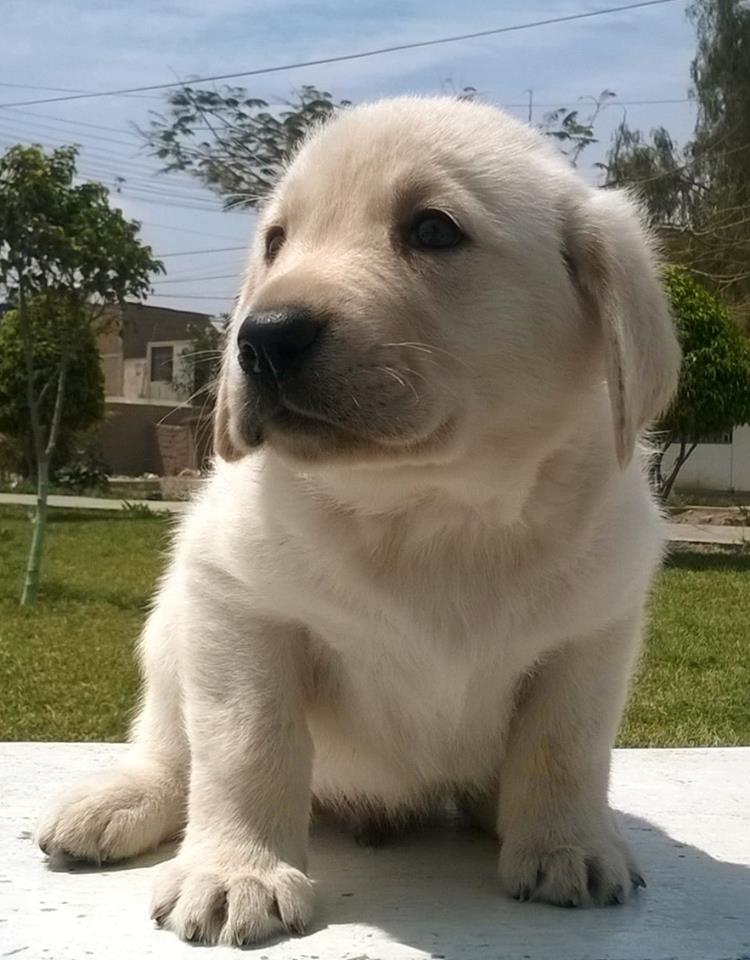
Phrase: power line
(200,233)
(75,123)
(191,296)
(175,276)
(142,166)
(146,162)
(361,55)
(13,118)
(126,194)
(145,187)
(35,86)
(137,139)
(195,253)
(139,193)
(614,103)
(18,126)
(189,279)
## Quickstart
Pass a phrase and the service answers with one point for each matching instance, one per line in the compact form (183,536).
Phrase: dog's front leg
(558,838)
(239,875)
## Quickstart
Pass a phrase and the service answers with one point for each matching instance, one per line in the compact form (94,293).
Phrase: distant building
(149,428)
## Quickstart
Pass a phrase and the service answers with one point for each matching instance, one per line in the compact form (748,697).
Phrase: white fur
(445,612)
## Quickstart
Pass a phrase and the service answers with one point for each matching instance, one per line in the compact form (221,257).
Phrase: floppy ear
(224,445)
(613,265)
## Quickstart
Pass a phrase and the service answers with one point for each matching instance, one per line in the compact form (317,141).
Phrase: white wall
(133,372)
(716,466)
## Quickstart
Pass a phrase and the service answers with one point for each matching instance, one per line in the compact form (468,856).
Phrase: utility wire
(200,233)
(189,279)
(361,55)
(195,253)
(34,86)
(75,123)
(191,296)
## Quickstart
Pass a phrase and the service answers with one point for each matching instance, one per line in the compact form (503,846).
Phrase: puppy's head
(430,272)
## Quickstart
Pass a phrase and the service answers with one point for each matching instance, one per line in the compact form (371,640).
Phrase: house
(149,426)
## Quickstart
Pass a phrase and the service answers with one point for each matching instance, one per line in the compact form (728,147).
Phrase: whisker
(186,403)
(427,348)
(201,353)
(416,373)
(404,383)
(416,346)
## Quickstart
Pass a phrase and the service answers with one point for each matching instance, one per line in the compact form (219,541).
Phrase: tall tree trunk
(43,452)
(28,355)
(34,562)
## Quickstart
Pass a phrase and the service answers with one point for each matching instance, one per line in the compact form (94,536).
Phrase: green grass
(67,670)
(693,685)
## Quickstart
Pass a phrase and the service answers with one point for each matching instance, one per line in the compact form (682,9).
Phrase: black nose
(271,342)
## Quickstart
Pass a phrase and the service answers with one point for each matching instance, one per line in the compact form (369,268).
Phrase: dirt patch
(716,516)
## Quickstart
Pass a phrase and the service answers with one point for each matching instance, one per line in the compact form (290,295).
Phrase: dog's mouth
(360,407)
(307,434)
(289,416)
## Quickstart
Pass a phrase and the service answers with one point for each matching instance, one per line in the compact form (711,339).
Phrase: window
(716,437)
(162,364)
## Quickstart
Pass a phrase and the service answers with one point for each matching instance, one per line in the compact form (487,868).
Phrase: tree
(232,142)
(713,395)
(659,172)
(54,329)
(721,79)
(698,196)
(61,244)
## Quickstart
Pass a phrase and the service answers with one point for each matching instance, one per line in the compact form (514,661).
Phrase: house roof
(143,324)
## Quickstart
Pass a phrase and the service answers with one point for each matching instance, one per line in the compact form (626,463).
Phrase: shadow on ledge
(437,892)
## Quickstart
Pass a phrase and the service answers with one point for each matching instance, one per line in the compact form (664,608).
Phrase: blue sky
(101,44)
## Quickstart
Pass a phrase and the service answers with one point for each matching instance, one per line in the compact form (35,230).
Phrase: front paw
(229,899)
(115,815)
(570,871)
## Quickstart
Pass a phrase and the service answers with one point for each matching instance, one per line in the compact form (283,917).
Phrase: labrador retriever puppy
(418,570)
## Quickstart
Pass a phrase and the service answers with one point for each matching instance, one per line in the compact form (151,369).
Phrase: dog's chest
(421,645)
(452,601)
(402,706)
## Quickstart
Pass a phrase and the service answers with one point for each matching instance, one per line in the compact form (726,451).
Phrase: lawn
(67,669)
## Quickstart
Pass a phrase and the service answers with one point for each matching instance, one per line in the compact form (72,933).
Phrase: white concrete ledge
(708,533)
(685,812)
(93,503)
(679,532)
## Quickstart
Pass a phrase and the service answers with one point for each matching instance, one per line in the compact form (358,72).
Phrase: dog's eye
(434,230)
(274,242)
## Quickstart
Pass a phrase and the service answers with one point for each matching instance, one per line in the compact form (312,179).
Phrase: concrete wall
(176,449)
(110,351)
(133,374)
(716,466)
(153,437)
